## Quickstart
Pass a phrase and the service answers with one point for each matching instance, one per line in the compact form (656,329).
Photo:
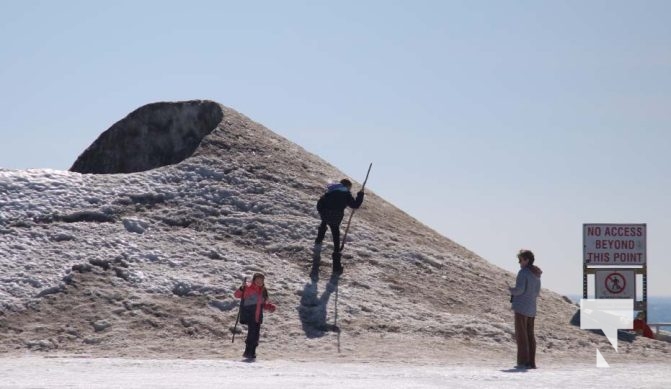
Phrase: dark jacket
(331,206)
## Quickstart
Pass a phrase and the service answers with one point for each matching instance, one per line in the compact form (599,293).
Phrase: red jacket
(253,295)
(641,326)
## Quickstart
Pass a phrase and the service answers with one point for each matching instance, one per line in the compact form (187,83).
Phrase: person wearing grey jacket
(523,298)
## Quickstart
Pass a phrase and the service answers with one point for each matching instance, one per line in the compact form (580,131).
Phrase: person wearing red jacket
(641,326)
(255,300)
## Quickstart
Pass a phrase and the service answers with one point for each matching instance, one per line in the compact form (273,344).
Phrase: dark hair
(346,183)
(526,254)
(264,291)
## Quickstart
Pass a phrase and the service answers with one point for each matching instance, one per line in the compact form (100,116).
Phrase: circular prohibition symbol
(615,283)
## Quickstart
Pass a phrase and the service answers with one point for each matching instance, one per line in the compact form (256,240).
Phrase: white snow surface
(57,373)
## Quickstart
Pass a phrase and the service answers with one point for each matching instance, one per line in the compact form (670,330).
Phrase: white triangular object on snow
(600,360)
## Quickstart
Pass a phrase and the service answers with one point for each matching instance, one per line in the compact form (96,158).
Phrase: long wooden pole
(242,301)
(342,245)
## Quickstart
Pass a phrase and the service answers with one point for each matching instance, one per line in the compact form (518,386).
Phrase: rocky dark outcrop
(152,136)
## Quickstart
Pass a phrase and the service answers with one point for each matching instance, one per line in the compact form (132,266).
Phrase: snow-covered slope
(145,263)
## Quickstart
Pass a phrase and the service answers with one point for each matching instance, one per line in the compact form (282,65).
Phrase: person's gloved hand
(359,193)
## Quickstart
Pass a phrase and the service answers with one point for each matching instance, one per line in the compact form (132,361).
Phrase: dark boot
(252,352)
(247,353)
(337,266)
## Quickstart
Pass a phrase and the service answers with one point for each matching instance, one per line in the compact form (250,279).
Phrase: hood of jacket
(535,270)
(336,186)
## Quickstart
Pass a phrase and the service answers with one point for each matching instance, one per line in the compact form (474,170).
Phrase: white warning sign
(615,284)
(614,244)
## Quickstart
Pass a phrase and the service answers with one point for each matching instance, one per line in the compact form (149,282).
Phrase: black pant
(253,335)
(335,233)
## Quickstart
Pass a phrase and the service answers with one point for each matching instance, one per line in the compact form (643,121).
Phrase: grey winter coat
(526,290)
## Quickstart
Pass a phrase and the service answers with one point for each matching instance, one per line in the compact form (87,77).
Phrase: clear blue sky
(501,124)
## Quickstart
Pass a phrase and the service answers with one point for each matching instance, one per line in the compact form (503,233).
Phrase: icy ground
(280,374)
